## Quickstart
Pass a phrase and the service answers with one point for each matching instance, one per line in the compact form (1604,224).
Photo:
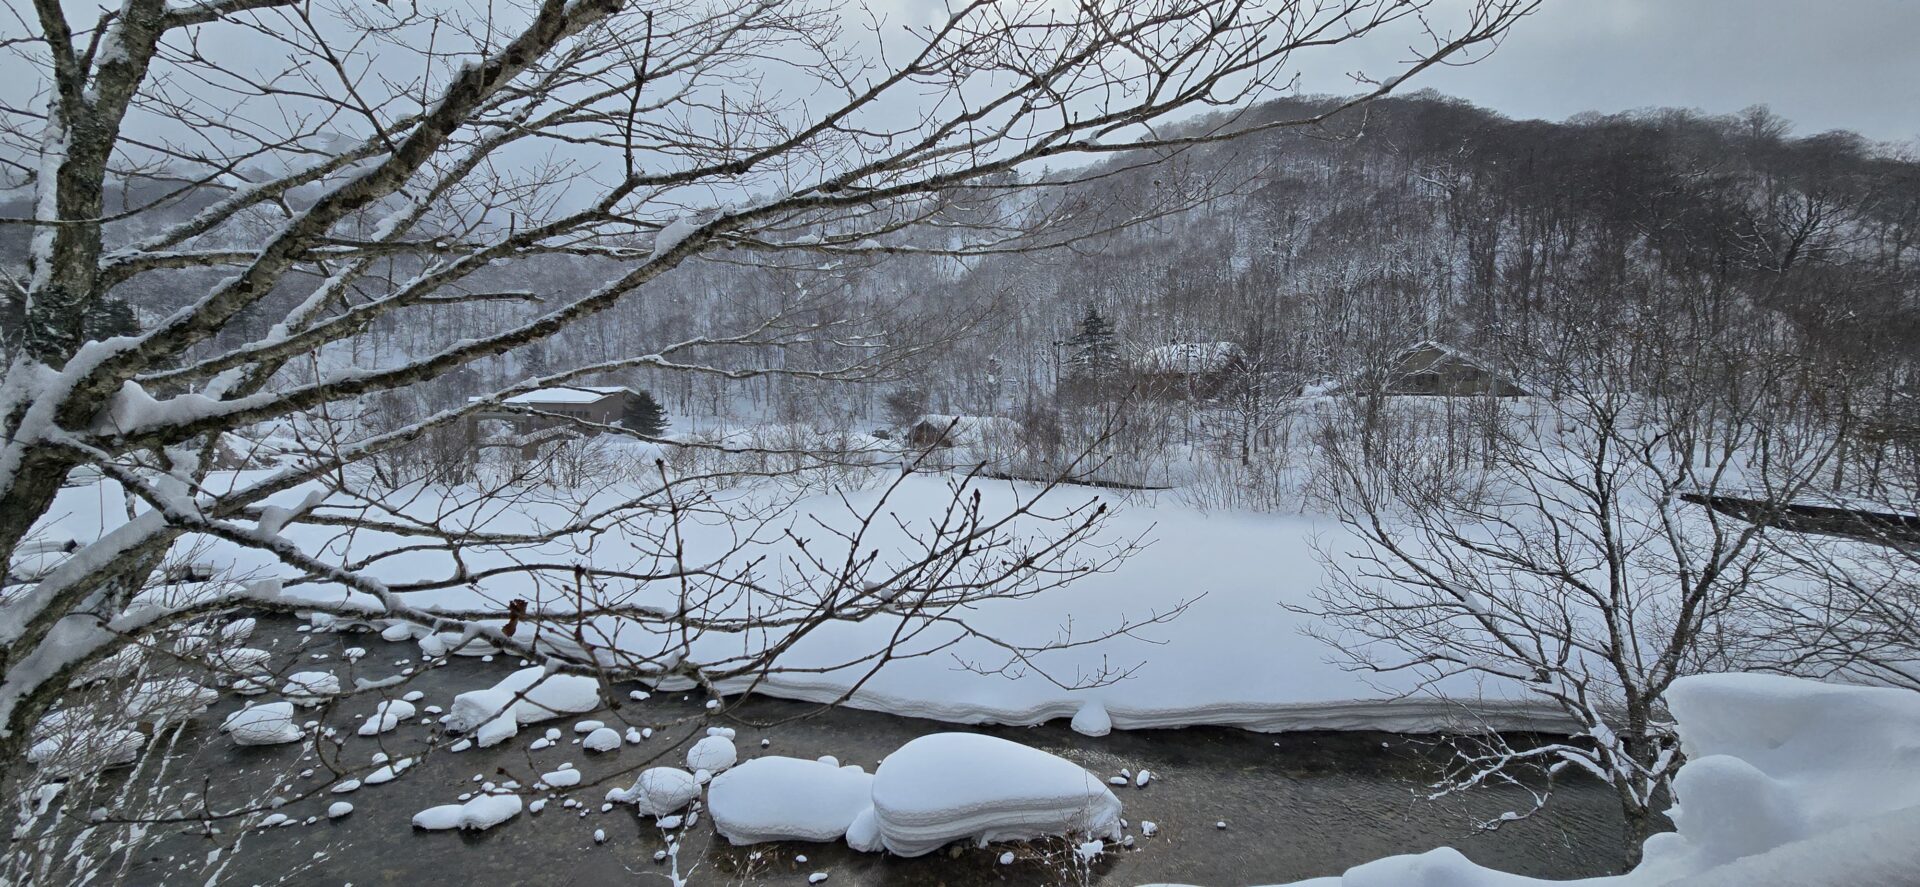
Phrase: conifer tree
(644,415)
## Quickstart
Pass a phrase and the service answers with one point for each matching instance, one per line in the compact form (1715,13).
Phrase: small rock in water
(816,877)
(1221,824)
(1006,858)
(1140,779)
(599,836)
(1149,828)
(339,809)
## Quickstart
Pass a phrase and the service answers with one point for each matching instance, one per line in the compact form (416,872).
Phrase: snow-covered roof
(564,394)
(1189,357)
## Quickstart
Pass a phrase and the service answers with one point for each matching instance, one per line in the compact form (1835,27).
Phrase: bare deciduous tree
(298,178)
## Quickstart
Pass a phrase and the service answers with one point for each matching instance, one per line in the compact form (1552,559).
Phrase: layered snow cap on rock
(527,696)
(658,792)
(270,724)
(788,799)
(483,812)
(947,786)
(602,739)
(86,750)
(712,754)
(311,687)
(170,699)
(386,716)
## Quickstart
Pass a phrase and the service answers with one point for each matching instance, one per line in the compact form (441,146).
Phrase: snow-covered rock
(269,724)
(1092,719)
(386,716)
(338,809)
(567,777)
(172,699)
(311,687)
(603,739)
(483,812)
(946,786)
(86,750)
(527,696)
(783,799)
(712,754)
(658,792)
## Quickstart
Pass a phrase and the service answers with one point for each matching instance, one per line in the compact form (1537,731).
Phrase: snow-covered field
(1235,656)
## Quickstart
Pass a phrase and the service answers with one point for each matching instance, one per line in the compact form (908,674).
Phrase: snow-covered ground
(1235,657)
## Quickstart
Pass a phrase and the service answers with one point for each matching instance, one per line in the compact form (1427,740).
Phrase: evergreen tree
(1093,359)
(1095,355)
(645,415)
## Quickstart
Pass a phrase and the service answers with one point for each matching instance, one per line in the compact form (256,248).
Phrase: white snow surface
(1235,657)
(946,786)
(788,799)
(1788,783)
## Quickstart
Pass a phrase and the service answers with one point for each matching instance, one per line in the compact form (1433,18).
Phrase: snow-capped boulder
(659,791)
(311,687)
(386,716)
(1092,719)
(602,740)
(527,696)
(788,799)
(712,754)
(171,699)
(479,813)
(269,724)
(947,786)
(77,751)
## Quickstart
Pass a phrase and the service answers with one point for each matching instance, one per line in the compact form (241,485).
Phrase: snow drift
(1788,783)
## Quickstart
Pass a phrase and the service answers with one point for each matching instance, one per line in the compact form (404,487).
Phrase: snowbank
(1788,783)
(947,786)
(788,799)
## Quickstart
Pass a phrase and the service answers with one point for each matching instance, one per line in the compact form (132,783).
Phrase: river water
(1296,805)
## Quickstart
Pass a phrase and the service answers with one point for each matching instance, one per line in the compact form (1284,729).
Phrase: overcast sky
(1823,64)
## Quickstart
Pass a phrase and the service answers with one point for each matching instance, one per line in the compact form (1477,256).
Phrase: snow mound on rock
(527,696)
(483,812)
(788,799)
(1092,719)
(170,699)
(86,750)
(270,724)
(658,792)
(311,687)
(386,716)
(947,786)
(712,754)
(602,739)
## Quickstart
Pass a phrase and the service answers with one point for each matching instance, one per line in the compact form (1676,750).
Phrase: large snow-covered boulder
(947,786)
(311,687)
(527,696)
(660,791)
(788,799)
(270,724)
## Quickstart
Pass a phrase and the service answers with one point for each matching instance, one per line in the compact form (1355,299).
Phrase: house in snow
(1433,369)
(1187,369)
(933,431)
(561,406)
